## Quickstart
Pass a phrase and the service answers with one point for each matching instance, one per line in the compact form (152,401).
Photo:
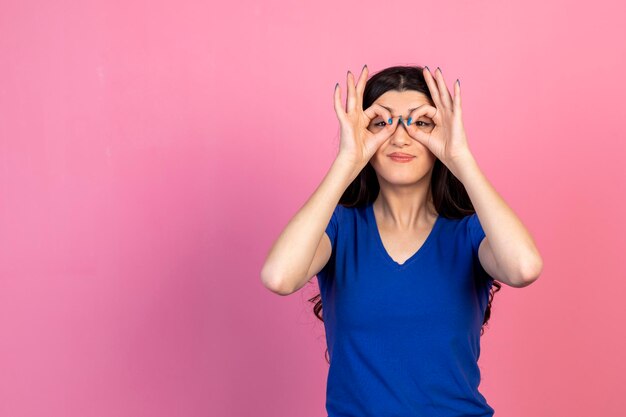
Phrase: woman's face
(394,172)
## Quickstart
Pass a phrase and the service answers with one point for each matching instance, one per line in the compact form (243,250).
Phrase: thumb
(385,133)
(419,135)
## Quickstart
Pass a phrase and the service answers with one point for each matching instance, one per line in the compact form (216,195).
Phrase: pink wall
(150,153)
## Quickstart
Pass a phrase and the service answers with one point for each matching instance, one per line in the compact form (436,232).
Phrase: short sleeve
(476,233)
(332,227)
(332,230)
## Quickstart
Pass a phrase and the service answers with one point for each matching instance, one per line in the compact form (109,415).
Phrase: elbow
(531,271)
(280,289)
(275,285)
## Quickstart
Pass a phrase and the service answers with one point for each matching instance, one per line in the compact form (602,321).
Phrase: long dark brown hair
(449,195)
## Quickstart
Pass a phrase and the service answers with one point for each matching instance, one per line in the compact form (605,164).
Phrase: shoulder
(458,224)
(342,212)
(466,229)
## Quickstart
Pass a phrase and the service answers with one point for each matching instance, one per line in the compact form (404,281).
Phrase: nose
(400,135)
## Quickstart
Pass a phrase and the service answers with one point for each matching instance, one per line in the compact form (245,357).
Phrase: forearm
(511,243)
(293,251)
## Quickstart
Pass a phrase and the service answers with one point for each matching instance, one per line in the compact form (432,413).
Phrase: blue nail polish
(409,122)
(390,121)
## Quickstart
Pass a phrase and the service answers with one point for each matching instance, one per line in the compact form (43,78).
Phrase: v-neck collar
(379,241)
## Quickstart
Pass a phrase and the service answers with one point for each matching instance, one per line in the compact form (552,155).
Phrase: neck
(405,207)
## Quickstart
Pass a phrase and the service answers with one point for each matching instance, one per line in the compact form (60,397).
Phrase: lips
(401,155)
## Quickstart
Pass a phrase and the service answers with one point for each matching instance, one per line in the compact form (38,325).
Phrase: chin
(395,179)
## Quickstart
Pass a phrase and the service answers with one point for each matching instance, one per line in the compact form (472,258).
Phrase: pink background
(151,152)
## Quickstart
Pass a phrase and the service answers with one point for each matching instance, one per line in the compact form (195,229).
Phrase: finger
(420,136)
(432,87)
(341,114)
(377,110)
(444,93)
(351,105)
(425,110)
(418,132)
(384,134)
(457,97)
(360,87)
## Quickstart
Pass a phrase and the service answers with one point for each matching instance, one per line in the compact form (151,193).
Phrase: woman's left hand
(447,139)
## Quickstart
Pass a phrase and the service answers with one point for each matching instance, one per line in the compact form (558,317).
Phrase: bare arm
(302,249)
(508,251)
(287,266)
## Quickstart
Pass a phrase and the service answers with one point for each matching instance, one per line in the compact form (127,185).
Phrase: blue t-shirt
(403,339)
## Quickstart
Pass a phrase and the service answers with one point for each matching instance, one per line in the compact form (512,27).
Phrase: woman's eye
(381,124)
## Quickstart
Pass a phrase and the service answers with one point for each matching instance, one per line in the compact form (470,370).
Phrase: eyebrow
(410,110)
(391,110)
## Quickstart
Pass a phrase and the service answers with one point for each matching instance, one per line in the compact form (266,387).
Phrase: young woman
(407,238)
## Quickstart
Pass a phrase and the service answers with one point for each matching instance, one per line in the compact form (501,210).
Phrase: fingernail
(409,121)
(458,81)
(364,66)
(390,121)
(336,85)
(426,66)
(440,70)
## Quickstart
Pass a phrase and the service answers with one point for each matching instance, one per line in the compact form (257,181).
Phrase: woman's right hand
(358,144)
